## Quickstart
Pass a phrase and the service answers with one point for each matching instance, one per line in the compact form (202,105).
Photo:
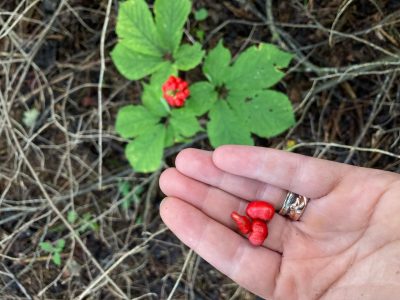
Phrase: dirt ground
(344,84)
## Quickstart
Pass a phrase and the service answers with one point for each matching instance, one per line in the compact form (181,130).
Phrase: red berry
(182,86)
(175,91)
(243,223)
(260,210)
(259,232)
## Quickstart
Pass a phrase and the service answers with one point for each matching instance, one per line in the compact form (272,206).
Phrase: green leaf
(271,113)
(86,217)
(162,74)
(134,65)
(72,216)
(126,203)
(238,104)
(226,127)
(88,222)
(216,64)
(202,98)
(46,246)
(200,34)
(170,18)
(146,151)
(184,123)
(60,245)
(85,222)
(124,187)
(188,56)
(57,258)
(169,136)
(201,14)
(257,68)
(94,226)
(153,100)
(133,120)
(139,220)
(129,195)
(280,59)
(138,192)
(172,137)
(135,24)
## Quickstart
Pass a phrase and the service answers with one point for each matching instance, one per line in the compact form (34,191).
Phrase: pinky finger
(254,268)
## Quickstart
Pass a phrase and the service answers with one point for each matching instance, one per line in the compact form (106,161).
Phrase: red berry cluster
(254,224)
(175,91)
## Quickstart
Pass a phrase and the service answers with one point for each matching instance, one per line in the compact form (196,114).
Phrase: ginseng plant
(234,101)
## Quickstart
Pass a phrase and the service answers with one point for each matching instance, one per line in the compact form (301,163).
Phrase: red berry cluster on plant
(254,224)
(175,91)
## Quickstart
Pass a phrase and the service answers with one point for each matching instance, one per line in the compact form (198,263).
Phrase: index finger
(311,177)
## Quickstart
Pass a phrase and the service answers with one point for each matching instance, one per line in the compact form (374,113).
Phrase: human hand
(345,246)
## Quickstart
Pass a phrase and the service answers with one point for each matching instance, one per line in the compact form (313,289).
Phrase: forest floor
(56,183)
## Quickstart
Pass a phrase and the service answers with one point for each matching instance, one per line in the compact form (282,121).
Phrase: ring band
(293,206)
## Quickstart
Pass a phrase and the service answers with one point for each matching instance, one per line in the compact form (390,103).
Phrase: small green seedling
(55,250)
(88,223)
(200,34)
(129,194)
(84,223)
(72,216)
(201,14)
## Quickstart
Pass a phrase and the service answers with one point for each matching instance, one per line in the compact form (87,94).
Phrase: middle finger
(198,165)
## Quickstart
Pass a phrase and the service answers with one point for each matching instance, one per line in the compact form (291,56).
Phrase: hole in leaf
(248,99)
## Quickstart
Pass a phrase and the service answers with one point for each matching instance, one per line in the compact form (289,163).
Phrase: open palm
(346,245)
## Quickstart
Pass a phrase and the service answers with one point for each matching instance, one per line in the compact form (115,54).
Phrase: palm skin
(346,245)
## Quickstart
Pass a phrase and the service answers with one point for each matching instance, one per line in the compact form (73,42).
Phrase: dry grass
(344,84)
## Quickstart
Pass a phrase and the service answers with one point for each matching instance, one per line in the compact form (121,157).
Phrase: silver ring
(293,206)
